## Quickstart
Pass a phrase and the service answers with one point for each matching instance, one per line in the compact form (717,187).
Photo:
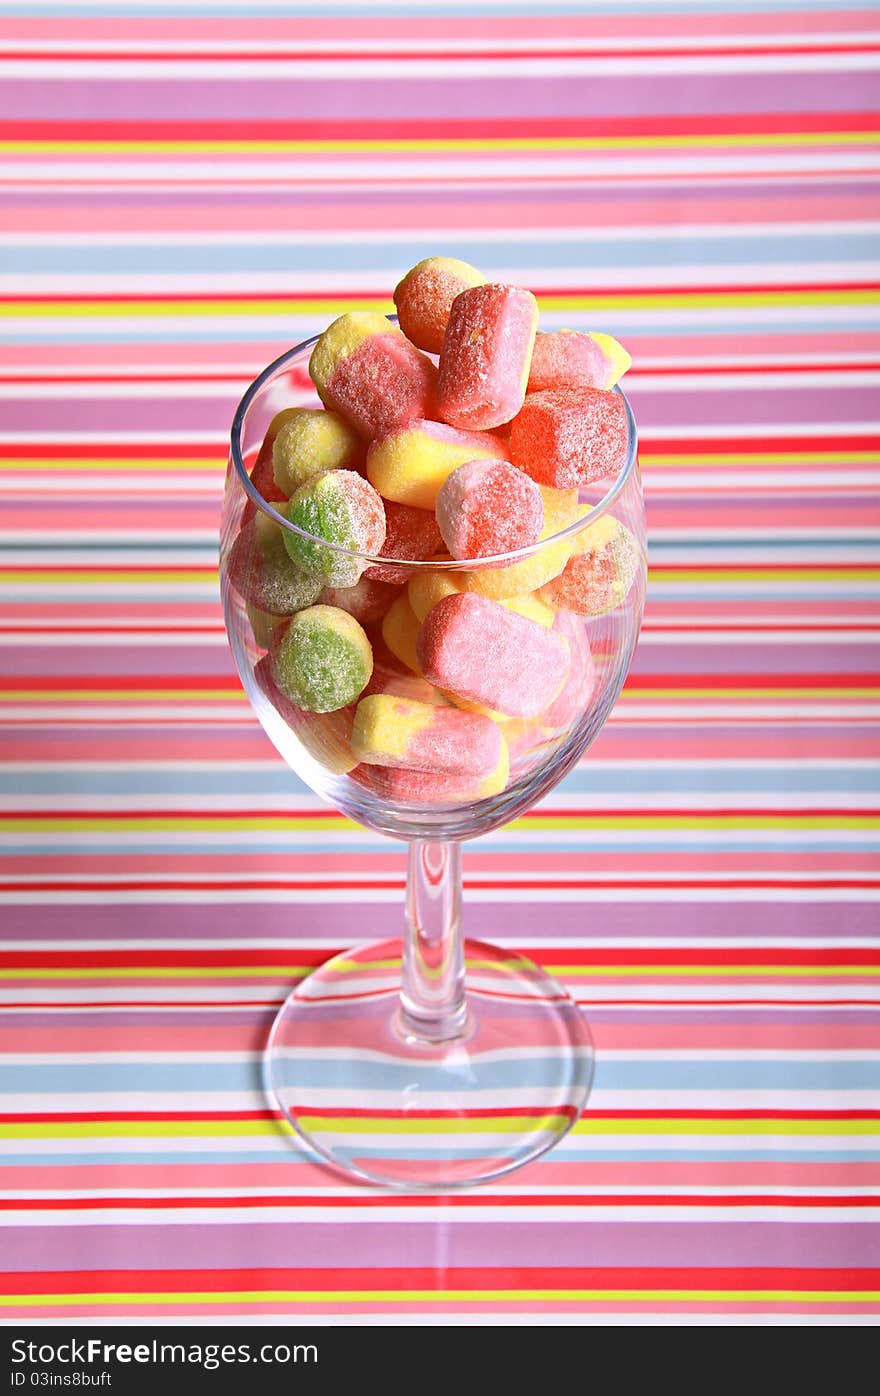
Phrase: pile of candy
(422,683)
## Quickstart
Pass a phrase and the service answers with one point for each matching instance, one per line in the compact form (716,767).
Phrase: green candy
(263,571)
(323,660)
(341,507)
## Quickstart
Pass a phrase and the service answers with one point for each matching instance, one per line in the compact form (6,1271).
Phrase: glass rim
(592,516)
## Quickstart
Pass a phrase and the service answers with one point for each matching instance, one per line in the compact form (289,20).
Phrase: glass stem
(432,997)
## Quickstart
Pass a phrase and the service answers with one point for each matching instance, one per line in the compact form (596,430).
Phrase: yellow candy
(400,631)
(409,465)
(341,338)
(427,588)
(618,358)
(308,442)
(592,539)
(497,781)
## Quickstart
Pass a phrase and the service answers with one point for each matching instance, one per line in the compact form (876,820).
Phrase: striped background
(186,189)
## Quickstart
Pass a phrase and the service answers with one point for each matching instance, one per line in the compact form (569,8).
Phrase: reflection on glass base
(409,1115)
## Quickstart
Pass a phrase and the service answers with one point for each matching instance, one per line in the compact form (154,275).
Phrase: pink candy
(410,534)
(487,507)
(365,369)
(485,653)
(484,362)
(569,357)
(567,437)
(577,690)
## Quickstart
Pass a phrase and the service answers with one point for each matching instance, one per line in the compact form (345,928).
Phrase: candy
(262,477)
(390,731)
(337,507)
(390,675)
(427,588)
(326,736)
(400,630)
(532,572)
(322,660)
(424,298)
(411,534)
(487,349)
(570,436)
(410,465)
(263,624)
(262,570)
(488,507)
(600,573)
(484,652)
(309,442)
(367,370)
(367,600)
(397,785)
(575,694)
(568,357)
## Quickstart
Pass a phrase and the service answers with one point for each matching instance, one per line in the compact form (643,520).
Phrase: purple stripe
(334,925)
(124,659)
(410,100)
(831,662)
(419,1242)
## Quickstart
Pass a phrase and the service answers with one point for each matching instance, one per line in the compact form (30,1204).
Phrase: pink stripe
(483,27)
(58,1312)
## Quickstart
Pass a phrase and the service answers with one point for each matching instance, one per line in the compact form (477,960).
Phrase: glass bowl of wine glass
(431,1061)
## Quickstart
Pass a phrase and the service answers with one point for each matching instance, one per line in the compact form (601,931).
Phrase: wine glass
(430,1061)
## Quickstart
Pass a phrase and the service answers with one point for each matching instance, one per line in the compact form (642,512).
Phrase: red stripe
(352,293)
(641,955)
(77,449)
(506,1277)
(459,1200)
(422,55)
(484,884)
(196,1116)
(325,128)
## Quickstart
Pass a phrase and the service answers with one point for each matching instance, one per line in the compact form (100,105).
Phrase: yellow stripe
(763,458)
(123,695)
(764,574)
(111,822)
(598,301)
(90,463)
(227,1129)
(436,1296)
(78,576)
(407,146)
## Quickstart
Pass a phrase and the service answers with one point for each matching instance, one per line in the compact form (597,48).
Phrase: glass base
(386,1107)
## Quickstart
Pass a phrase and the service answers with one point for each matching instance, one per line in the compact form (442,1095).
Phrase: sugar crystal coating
(392,731)
(261,569)
(487,507)
(409,465)
(262,475)
(400,786)
(367,600)
(424,297)
(570,436)
(411,535)
(536,569)
(364,368)
(309,442)
(598,576)
(484,362)
(484,652)
(322,660)
(568,357)
(338,507)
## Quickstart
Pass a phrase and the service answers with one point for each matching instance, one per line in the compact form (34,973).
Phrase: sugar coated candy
(570,436)
(367,600)
(391,731)
(338,507)
(397,785)
(598,576)
(262,570)
(411,535)
(487,507)
(487,350)
(309,442)
(568,357)
(400,630)
(326,736)
(574,697)
(409,465)
(262,475)
(484,652)
(322,660)
(533,571)
(428,587)
(364,368)
(424,298)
